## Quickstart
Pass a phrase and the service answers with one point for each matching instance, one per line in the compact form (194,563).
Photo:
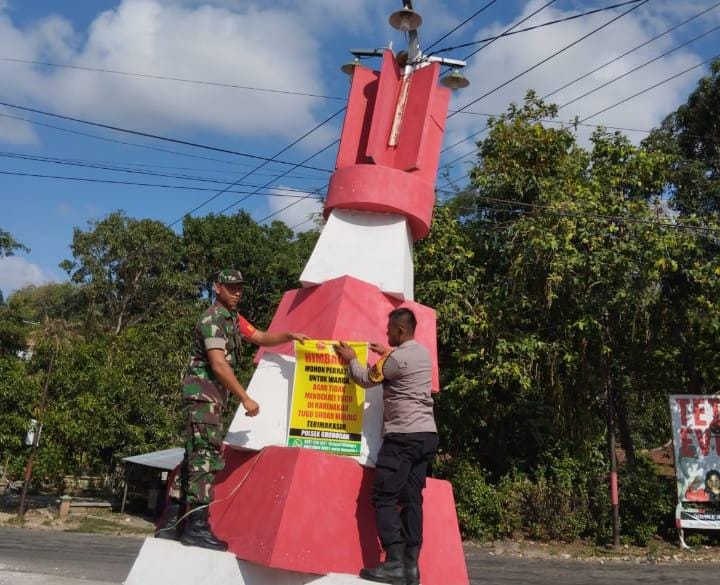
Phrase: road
(34,557)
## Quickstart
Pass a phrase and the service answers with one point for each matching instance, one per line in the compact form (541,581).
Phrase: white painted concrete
(339,579)
(271,387)
(166,562)
(374,247)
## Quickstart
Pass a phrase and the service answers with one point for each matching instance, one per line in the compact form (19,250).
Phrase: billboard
(696,446)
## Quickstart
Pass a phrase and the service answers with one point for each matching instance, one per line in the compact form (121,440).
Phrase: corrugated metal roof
(165,459)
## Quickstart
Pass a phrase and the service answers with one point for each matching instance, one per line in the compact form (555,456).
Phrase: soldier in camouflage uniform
(214,362)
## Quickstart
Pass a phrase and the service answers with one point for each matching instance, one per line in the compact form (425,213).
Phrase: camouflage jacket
(217,328)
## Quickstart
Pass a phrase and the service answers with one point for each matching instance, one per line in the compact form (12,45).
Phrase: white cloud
(298,210)
(16,131)
(63,209)
(508,57)
(17,272)
(256,45)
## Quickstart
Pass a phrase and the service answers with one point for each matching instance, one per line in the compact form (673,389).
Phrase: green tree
(9,245)
(270,257)
(129,270)
(691,136)
(561,287)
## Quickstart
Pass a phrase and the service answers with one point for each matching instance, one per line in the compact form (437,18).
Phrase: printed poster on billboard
(326,412)
(696,443)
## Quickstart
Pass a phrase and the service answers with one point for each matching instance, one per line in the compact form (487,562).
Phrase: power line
(123,142)
(574,123)
(169,78)
(154,136)
(281,151)
(120,169)
(612,218)
(627,99)
(113,165)
(630,51)
(537,26)
(664,81)
(270,182)
(555,54)
(297,225)
(115,182)
(463,23)
(513,27)
(461,110)
(633,70)
(279,211)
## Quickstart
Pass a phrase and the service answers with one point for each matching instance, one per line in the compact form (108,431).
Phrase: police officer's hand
(379,348)
(301,337)
(344,351)
(251,407)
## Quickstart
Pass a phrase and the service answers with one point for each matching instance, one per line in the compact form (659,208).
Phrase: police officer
(409,442)
(214,361)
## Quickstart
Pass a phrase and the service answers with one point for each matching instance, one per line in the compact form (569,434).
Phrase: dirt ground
(42,514)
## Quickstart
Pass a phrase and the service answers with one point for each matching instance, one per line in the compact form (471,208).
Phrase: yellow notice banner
(327,407)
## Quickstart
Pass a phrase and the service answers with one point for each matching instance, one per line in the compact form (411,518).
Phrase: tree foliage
(562,271)
(9,245)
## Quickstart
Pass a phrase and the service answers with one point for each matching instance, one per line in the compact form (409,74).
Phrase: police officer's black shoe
(411,564)
(392,570)
(198,533)
(168,527)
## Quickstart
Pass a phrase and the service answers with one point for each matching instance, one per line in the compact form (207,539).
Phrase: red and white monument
(291,515)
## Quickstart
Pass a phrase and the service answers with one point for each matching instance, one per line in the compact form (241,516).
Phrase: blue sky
(288,46)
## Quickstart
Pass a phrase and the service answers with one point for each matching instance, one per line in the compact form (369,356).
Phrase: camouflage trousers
(203,459)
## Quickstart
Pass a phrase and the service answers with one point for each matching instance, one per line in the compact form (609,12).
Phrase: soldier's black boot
(411,564)
(198,533)
(392,570)
(168,527)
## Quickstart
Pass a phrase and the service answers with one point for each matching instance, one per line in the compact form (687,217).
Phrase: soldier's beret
(229,276)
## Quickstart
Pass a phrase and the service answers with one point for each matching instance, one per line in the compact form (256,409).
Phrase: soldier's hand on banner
(379,348)
(251,407)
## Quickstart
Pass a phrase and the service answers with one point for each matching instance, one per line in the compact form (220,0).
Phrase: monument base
(166,562)
(307,511)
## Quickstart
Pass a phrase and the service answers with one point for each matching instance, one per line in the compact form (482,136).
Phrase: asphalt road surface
(34,557)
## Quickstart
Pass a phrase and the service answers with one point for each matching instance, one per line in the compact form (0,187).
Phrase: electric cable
(117,182)
(463,23)
(120,169)
(613,218)
(169,78)
(281,151)
(511,28)
(630,51)
(154,136)
(279,211)
(534,27)
(642,66)
(664,81)
(271,182)
(555,54)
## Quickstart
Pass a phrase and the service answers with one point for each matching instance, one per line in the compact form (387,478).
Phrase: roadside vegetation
(560,271)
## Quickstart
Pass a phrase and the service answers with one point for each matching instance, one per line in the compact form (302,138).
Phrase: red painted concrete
(348,309)
(308,511)
(383,190)
(356,126)
(364,145)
